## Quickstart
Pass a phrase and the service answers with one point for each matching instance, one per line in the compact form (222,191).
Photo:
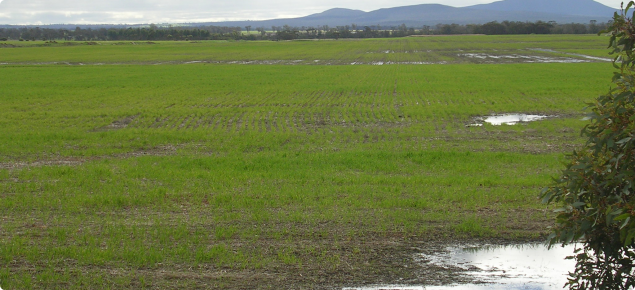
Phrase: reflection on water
(574,54)
(512,119)
(509,119)
(528,266)
(492,58)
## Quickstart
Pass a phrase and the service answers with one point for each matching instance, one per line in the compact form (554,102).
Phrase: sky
(39,12)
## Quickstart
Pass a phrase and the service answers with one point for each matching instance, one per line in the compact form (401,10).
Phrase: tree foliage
(286,32)
(596,190)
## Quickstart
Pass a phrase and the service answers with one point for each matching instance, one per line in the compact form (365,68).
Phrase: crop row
(88,109)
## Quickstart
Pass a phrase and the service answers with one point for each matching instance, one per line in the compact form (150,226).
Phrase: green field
(443,49)
(277,164)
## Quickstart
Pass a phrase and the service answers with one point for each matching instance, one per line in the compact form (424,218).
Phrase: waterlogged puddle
(529,266)
(520,58)
(395,62)
(516,267)
(512,119)
(508,119)
(574,54)
(493,58)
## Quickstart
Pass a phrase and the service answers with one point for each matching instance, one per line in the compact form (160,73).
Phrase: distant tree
(310,32)
(426,30)
(445,29)
(169,32)
(335,34)
(262,31)
(287,34)
(368,32)
(597,188)
(593,26)
(492,28)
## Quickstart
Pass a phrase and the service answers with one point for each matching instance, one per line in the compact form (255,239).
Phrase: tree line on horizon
(286,32)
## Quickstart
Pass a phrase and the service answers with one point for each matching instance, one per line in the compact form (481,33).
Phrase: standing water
(514,267)
(512,119)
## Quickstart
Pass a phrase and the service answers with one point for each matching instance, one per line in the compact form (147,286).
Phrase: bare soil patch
(118,124)
(165,150)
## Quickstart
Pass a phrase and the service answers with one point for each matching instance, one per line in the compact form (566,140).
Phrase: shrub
(596,190)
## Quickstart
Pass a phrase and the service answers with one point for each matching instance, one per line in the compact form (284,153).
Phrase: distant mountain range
(561,11)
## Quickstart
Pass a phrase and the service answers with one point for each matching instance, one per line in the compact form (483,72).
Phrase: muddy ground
(378,260)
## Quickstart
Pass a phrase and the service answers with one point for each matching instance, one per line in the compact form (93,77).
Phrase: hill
(562,7)
(561,11)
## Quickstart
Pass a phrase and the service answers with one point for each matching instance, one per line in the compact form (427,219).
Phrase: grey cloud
(126,17)
(162,11)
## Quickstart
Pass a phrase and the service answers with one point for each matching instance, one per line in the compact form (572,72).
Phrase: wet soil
(329,256)
(379,261)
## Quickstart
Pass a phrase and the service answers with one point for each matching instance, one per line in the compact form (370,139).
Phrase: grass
(241,176)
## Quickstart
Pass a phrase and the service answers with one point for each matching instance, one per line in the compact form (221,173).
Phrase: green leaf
(578,204)
(569,238)
(580,166)
(625,222)
(551,239)
(629,239)
(622,217)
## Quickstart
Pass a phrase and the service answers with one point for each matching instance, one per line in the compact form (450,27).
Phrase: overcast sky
(175,11)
